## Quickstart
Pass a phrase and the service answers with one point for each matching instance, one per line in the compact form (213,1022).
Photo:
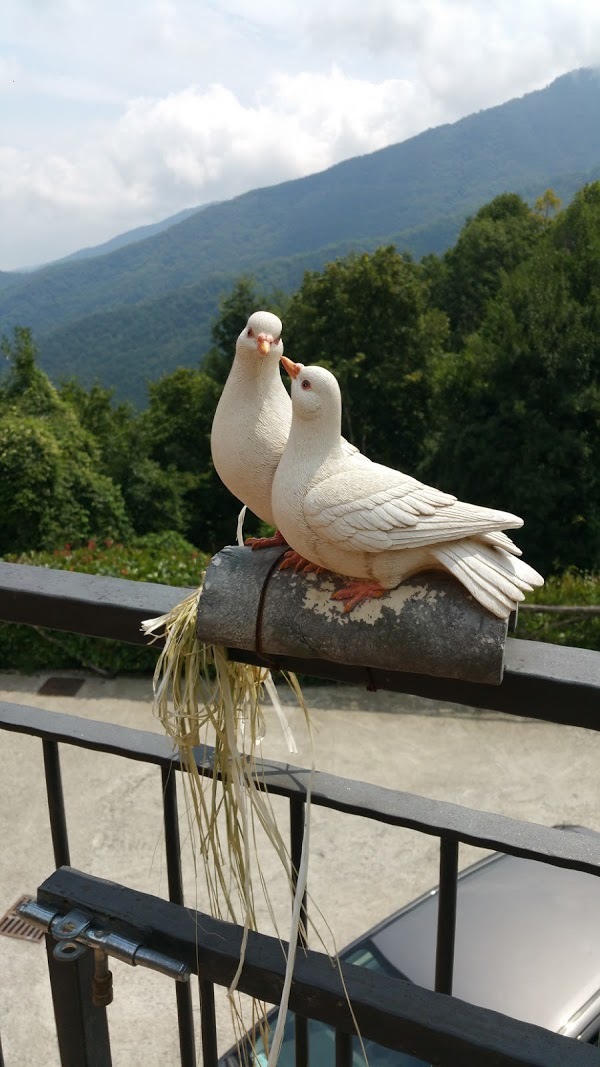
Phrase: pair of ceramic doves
(376,525)
(373,512)
(253,419)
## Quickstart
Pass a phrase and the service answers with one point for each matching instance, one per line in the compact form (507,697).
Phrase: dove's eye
(250,332)
(277,340)
(306,384)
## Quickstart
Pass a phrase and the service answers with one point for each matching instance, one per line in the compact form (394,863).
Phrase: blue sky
(113,115)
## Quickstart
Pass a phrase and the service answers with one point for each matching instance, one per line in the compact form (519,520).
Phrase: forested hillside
(141,233)
(478,371)
(9,278)
(128,347)
(102,312)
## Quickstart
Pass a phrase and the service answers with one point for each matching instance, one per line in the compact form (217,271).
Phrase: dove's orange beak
(263,343)
(293,369)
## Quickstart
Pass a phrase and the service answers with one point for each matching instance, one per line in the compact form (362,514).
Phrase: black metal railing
(545,682)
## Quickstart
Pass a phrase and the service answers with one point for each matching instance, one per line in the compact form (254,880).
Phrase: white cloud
(466,53)
(9,70)
(195,146)
(379,27)
(121,115)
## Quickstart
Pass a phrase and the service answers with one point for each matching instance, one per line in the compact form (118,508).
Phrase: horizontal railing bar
(542,681)
(562,848)
(107,737)
(89,604)
(441,818)
(562,609)
(390,1011)
(553,683)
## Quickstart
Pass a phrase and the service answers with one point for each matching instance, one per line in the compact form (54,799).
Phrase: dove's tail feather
(499,539)
(497,579)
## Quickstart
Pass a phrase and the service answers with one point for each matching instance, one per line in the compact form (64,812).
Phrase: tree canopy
(516,413)
(494,242)
(367,318)
(52,489)
(478,371)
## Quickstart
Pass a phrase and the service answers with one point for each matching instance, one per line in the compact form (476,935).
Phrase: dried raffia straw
(201,696)
(198,694)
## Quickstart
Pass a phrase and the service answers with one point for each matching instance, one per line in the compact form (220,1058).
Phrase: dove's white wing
(373,508)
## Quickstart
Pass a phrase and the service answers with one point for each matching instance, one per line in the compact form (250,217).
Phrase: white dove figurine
(377,526)
(252,421)
(253,417)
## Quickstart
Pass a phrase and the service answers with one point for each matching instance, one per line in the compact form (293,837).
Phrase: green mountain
(140,233)
(9,278)
(139,310)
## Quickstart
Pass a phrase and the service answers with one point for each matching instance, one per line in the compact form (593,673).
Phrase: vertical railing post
(343,1049)
(208,1023)
(187,1043)
(56,803)
(297,813)
(81,1026)
(446,924)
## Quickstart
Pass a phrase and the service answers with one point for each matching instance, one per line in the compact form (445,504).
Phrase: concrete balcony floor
(359,870)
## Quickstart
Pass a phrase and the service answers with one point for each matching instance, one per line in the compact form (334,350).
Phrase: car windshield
(321,1037)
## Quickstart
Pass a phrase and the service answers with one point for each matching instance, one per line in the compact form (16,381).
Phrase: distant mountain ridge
(8,278)
(140,233)
(415,194)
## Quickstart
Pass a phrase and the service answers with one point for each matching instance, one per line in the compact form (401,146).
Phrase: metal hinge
(78,931)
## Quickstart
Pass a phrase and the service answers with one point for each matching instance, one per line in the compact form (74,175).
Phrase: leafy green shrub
(50,481)
(573,589)
(165,558)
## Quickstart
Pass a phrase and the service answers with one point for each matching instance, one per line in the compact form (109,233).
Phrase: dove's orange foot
(358,591)
(276,541)
(292,560)
(313,568)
